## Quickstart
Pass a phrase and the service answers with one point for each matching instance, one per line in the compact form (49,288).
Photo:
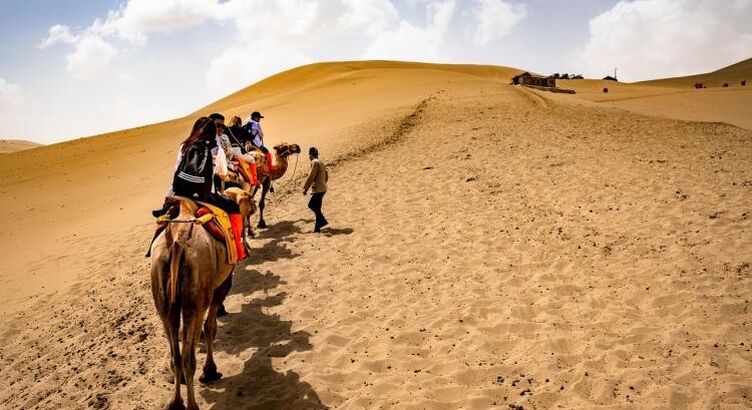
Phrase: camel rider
(200,158)
(257,137)
(222,139)
(241,135)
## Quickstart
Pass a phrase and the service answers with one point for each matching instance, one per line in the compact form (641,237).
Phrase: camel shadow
(259,385)
(281,234)
(336,231)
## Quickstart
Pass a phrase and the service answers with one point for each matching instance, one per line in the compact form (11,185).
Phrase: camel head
(244,200)
(285,150)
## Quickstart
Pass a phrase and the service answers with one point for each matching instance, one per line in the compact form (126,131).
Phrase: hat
(256,114)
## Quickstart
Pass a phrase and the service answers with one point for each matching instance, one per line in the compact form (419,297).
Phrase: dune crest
(10,146)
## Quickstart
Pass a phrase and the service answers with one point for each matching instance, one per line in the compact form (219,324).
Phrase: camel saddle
(218,226)
(244,168)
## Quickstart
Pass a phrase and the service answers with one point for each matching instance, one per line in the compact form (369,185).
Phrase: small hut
(609,78)
(531,79)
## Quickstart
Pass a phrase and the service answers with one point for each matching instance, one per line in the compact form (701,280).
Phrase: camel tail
(176,255)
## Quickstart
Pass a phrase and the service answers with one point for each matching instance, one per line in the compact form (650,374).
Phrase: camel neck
(280,166)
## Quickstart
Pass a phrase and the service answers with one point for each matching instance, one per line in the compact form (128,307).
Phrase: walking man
(317,183)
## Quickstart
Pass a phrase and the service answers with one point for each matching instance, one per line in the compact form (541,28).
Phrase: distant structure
(537,80)
(744,83)
(609,78)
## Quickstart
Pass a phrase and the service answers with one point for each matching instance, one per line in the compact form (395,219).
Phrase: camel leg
(172,328)
(210,372)
(262,202)
(247,230)
(192,319)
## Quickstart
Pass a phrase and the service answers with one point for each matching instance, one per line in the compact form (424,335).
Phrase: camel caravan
(202,232)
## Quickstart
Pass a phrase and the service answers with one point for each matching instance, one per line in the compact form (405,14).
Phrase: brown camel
(189,275)
(282,151)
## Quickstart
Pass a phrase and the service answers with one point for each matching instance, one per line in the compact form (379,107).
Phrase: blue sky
(76,68)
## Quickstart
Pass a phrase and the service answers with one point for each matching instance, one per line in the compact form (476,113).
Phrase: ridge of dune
(491,246)
(15,145)
(732,74)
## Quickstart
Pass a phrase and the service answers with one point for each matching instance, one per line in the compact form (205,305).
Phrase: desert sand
(491,246)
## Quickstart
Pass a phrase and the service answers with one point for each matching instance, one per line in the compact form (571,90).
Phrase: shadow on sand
(259,385)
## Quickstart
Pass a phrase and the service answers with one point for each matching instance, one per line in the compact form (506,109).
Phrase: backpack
(196,164)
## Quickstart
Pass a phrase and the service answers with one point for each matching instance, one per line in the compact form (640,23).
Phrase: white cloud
(137,18)
(282,19)
(10,95)
(657,38)
(495,19)
(411,42)
(93,53)
(374,16)
(240,65)
(91,56)
(58,34)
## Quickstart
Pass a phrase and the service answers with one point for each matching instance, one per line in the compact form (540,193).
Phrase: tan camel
(282,152)
(190,275)
(247,208)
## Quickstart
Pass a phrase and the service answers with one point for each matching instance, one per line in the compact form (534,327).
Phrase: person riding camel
(199,159)
(240,136)
(257,137)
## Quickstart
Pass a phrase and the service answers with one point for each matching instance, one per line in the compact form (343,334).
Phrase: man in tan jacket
(317,182)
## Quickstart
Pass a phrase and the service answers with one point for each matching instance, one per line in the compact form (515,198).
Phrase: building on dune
(539,82)
(531,79)
(609,78)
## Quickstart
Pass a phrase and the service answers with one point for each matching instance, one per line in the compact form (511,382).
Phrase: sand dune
(8,146)
(732,75)
(491,246)
(676,97)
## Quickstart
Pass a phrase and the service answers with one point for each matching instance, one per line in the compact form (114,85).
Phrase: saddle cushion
(212,226)
(219,228)
(223,221)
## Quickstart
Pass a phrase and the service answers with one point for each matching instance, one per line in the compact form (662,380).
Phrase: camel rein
(295,168)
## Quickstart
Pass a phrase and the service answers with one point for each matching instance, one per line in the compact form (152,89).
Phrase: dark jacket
(241,135)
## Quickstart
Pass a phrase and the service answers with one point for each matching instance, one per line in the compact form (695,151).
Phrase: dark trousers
(315,205)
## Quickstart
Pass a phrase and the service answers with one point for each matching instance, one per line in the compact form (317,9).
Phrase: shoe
(159,212)
(325,223)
